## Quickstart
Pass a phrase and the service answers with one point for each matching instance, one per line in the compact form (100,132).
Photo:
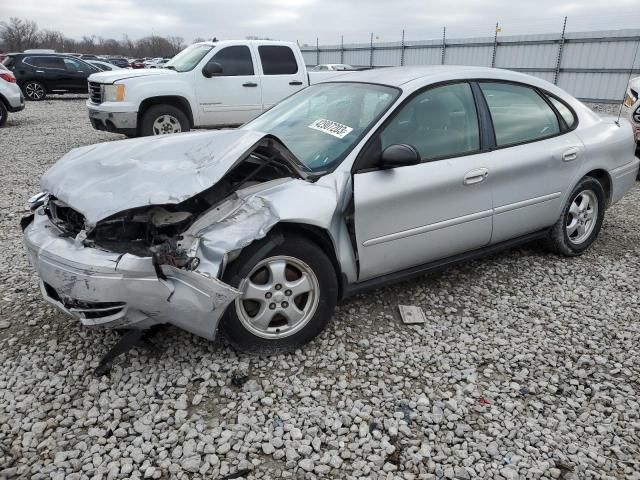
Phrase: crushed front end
(154,264)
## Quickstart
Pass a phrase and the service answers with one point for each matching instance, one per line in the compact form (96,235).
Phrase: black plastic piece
(130,338)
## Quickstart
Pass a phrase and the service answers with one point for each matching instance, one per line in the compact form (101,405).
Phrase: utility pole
(402,50)
(560,49)
(317,51)
(371,51)
(495,46)
(444,43)
(342,49)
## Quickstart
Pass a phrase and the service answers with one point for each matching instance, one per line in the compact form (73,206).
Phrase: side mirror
(399,155)
(212,69)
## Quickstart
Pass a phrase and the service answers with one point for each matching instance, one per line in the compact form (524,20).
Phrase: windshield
(188,58)
(320,124)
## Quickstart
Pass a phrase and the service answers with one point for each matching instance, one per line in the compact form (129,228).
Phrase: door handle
(475,176)
(250,84)
(295,82)
(570,154)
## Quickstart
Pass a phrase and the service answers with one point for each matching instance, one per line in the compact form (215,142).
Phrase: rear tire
(289,292)
(34,91)
(164,119)
(581,219)
(4,114)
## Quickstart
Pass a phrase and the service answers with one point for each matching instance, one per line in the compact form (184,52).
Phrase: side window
(235,61)
(518,113)
(72,65)
(440,122)
(44,62)
(277,60)
(564,111)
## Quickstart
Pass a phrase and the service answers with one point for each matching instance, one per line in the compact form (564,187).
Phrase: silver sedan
(365,179)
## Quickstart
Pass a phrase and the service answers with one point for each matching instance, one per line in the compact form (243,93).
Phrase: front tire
(164,119)
(34,91)
(4,114)
(289,290)
(581,219)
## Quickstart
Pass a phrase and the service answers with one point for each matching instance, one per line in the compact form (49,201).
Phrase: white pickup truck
(208,84)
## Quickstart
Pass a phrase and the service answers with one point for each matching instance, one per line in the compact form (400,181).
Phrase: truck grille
(95,92)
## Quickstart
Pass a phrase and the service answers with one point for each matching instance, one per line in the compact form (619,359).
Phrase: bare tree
(18,35)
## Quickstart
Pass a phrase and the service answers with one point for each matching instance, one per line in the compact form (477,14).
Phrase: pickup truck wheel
(34,91)
(289,291)
(164,119)
(3,113)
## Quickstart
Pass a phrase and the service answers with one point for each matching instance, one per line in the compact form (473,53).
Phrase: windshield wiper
(170,67)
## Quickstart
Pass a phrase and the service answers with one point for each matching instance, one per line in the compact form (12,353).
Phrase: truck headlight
(114,93)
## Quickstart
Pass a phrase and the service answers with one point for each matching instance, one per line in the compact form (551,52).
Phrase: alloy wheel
(279,297)
(34,91)
(582,216)
(165,124)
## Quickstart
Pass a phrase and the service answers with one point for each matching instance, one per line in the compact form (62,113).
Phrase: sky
(328,20)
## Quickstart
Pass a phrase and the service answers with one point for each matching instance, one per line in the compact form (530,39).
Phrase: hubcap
(34,91)
(279,297)
(166,124)
(582,216)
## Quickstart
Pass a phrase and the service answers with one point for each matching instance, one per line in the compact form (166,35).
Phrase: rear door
(282,74)
(535,158)
(235,96)
(48,70)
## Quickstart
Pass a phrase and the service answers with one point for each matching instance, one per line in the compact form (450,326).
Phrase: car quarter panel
(529,184)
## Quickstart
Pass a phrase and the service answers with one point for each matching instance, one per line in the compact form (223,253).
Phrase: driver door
(234,96)
(411,215)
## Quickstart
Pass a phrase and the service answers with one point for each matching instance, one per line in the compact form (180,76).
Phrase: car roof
(398,76)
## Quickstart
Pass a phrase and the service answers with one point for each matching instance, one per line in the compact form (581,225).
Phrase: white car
(209,84)
(329,67)
(11,98)
(104,66)
(631,105)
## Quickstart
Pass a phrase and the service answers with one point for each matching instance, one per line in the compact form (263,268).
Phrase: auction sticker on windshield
(332,128)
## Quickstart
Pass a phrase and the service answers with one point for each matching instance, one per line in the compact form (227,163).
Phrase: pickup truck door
(282,73)
(234,96)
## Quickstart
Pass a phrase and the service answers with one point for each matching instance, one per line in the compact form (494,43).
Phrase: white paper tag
(332,128)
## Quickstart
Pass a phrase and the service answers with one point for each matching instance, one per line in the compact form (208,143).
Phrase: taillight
(8,76)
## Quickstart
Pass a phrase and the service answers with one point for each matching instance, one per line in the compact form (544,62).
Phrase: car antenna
(635,55)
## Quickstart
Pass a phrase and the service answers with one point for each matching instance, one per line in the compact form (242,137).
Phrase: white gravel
(527,367)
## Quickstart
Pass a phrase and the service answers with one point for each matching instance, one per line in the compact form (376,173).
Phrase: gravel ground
(526,368)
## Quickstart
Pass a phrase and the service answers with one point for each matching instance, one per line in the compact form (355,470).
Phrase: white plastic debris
(411,315)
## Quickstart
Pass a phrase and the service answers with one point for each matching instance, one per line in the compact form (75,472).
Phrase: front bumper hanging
(114,290)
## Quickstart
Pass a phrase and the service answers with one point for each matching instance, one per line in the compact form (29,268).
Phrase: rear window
(277,60)
(8,62)
(564,111)
(518,113)
(45,62)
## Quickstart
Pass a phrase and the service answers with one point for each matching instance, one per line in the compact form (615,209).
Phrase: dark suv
(38,74)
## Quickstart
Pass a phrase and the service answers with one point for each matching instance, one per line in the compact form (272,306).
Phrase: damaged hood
(104,179)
